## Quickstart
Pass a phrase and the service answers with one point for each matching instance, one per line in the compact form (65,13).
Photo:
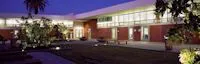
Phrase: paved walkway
(159,46)
(48,58)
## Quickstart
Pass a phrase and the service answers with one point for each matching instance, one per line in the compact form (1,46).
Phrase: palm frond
(35,6)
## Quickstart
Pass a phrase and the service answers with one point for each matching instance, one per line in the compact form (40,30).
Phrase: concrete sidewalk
(159,46)
(49,58)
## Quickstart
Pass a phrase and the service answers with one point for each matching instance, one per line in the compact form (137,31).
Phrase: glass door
(130,35)
(89,34)
(145,33)
(114,33)
(78,33)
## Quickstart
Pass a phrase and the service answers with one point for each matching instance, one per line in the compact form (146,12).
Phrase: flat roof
(116,8)
(60,17)
(112,9)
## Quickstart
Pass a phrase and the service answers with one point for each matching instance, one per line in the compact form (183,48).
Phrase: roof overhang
(91,14)
(59,17)
(116,8)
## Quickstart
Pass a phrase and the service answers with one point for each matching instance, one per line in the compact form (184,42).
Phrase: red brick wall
(91,24)
(137,33)
(122,33)
(196,40)
(104,32)
(6,33)
(158,31)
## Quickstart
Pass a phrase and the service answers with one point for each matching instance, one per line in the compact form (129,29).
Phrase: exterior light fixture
(105,44)
(96,45)
(34,46)
(57,48)
(22,50)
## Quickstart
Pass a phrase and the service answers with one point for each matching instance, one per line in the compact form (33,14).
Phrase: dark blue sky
(60,7)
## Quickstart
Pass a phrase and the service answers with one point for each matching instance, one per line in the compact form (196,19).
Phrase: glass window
(137,16)
(131,18)
(116,19)
(137,22)
(165,15)
(109,18)
(143,16)
(164,20)
(150,15)
(113,18)
(143,22)
(150,21)
(2,22)
(131,23)
(112,24)
(67,23)
(13,22)
(126,24)
(126,18)
(116,24)
(121,18)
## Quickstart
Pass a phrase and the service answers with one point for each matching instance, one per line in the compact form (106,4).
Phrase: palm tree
(34,6)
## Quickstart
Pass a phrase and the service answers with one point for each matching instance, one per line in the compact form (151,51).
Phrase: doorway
(114,33)
(145,33)
(130,33)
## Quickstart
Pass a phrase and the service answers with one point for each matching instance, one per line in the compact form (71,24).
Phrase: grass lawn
(87,54)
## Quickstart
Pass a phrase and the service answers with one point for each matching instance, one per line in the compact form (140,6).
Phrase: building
(133,20)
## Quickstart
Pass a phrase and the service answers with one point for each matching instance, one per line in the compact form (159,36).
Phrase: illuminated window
(150,15)
(137,16)
(143,16)
(131,18)
(150,21)
(131,23)
(117,24)
(137,22)
(13,22)
(126,18)
(78,32)
(115,18)
(164,20)
(126,24)
(2,22)
(67,23)
(121,18)
(143,22)
(165,15)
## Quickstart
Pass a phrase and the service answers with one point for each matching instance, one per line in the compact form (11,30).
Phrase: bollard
(106,42)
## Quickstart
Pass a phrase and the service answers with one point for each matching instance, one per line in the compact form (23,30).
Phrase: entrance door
(114,33)
(89,34)
(137,33)
(78,33)
(130,33)
(145,33)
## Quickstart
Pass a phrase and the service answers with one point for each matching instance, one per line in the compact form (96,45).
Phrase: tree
(36,32)
(191,20)
(34,6)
